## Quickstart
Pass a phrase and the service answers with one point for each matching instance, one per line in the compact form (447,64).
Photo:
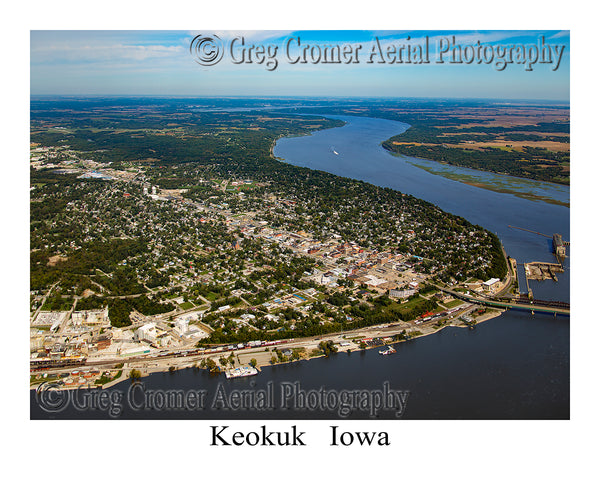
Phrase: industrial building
(146,332)
(91,317)
(187,331)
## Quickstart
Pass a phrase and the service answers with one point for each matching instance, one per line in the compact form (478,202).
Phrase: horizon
(311,97)
(163,63)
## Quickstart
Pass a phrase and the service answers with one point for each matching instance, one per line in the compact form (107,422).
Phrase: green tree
(328,347)
(212,365)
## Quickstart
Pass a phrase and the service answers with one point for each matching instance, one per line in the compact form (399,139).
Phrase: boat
(333,150)
(245,371)
(389,351)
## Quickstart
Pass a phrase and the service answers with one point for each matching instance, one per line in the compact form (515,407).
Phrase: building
(36,343)
(194,332)
(182,325)
(489,285)
(558,245)
(146,333)
(187,331)
(90,317)
(395,293)
(138,350)
(58,351)
(102,341)
(164,339)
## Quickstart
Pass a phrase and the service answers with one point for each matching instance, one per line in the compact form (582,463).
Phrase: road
(43,301)
(499,304)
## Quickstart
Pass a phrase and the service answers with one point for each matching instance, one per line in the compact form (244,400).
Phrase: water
(515,366)
(361,156)
(512,367)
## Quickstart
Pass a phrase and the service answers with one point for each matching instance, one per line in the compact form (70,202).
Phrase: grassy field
(453,303)
(406,307)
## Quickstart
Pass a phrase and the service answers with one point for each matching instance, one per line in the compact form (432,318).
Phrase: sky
(138,62)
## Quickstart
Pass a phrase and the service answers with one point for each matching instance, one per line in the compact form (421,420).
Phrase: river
(515,366)
(355,151)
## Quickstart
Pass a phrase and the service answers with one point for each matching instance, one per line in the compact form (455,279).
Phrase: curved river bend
(355,151)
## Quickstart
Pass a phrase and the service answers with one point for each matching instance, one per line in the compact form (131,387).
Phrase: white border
(420,448)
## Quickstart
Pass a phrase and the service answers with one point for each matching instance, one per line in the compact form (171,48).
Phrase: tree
(211,365)
(118,312)
(328,347)
(253,362)
(135,374)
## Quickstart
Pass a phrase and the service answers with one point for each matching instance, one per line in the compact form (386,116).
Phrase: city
(227,263)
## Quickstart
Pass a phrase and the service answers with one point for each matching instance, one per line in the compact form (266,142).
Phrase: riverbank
(263,356)
(296,135)
(516,366)
(488,185)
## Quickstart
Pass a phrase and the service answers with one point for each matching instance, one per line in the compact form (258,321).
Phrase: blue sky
(160,63)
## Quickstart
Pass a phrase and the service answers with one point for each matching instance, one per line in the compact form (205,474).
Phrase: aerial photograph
(299,225)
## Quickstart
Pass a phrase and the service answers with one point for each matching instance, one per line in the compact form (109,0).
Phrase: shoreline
(429,330)
(476,169)
(463,178)
(154,366)
(457,177)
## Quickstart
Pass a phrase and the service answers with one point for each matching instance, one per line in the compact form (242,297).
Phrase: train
(46,363)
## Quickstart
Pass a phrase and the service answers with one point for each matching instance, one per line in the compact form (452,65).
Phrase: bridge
(542,306)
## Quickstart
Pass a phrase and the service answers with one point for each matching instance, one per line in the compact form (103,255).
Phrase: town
(212,273)
(141,265)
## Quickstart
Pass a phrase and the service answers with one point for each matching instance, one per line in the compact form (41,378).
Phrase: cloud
(470,37)
(249,35)
(561,34)
(100,52)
